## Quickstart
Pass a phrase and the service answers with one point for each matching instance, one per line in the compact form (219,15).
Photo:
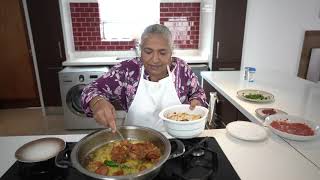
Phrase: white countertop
(91,61)
(292,95)
(272,158)
(101,61)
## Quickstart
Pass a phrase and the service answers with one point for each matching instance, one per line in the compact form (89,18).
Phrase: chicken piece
(94,165)
(103,170)
(152,152)
(125,143)
(119,153)
(153,155)
(137,152)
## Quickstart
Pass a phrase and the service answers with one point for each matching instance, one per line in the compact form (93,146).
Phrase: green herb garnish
(111,163)
(255,96)
(114,164)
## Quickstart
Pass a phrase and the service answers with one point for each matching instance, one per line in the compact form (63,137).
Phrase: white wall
(274,33)
(207,14)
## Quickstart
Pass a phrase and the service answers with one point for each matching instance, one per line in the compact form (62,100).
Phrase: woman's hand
(194,103)
(103,112)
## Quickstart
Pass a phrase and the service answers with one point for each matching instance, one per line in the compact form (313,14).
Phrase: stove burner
(198,152)
(199,162)
(40,170)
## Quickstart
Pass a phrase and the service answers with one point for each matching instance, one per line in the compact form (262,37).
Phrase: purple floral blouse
(121,84)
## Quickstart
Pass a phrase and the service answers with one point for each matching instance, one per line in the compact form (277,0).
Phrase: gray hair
(157,29)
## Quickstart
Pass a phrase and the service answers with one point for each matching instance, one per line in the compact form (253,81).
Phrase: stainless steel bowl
(101,137)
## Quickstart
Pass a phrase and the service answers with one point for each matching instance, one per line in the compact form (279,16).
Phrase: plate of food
(265,112)
(293,127)
(254,95)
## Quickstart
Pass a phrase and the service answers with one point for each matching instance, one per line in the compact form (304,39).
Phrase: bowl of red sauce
(293,127)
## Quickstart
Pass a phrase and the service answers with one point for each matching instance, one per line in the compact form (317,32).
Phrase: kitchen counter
(92,61)
(101,61)
(272,158)
(293,95)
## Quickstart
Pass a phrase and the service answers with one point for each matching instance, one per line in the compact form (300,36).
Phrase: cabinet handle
(227,69)
(218,47)
(60,50)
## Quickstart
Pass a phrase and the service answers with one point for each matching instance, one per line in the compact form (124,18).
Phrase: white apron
(150,99)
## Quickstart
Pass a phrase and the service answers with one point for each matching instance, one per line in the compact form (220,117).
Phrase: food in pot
(181,116)
(269,111)
(121,158)
(300,129)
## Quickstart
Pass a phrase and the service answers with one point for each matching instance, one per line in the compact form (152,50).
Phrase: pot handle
(62,160)
(179,150)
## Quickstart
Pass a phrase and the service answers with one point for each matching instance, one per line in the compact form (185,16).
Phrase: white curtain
(128,18)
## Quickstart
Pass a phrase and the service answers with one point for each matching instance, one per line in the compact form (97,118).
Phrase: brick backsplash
(183,20)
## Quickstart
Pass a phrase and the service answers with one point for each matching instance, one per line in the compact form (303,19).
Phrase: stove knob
(81,78)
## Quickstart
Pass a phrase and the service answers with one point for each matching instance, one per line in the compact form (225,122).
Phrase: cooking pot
(101,137)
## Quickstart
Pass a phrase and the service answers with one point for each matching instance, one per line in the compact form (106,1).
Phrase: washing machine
(72,81)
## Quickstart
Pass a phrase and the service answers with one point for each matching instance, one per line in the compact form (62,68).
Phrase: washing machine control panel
(81,78)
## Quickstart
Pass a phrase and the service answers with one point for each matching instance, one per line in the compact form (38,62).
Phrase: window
(123,20)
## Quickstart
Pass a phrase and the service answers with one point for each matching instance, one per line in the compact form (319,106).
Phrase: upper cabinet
(228,34)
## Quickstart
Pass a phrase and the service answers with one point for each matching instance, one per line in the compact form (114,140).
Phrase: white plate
(268,96)
(246,131)
(293,119)
(262,115)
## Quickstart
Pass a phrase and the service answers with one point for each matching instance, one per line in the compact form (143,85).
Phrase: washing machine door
(73,99)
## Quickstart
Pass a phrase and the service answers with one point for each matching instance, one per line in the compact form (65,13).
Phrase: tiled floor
(30,121)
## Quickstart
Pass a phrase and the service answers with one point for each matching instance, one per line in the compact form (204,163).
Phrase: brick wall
(86,30)
(181,18)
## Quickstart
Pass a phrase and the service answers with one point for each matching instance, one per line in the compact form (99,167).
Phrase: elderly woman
(145,85)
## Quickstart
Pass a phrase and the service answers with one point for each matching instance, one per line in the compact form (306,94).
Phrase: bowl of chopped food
(293,127)
(182,122)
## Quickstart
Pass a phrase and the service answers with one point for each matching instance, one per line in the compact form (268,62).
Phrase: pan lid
(40,150)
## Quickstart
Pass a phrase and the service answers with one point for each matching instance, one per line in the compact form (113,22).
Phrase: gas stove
(202,160)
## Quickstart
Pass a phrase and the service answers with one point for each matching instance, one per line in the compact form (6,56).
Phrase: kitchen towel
(212,102)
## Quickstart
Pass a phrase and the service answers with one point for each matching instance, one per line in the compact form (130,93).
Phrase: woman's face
(156,55)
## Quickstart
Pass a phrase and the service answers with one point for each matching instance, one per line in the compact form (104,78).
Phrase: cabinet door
(225,110)
(228,34)
(47,35)
(241,117)
(17,77)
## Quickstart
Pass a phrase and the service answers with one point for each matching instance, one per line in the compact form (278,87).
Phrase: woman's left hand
(194,103)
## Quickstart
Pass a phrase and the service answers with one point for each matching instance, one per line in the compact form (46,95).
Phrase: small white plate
(261,112)
(293,119)
(268,97)
(246,131)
